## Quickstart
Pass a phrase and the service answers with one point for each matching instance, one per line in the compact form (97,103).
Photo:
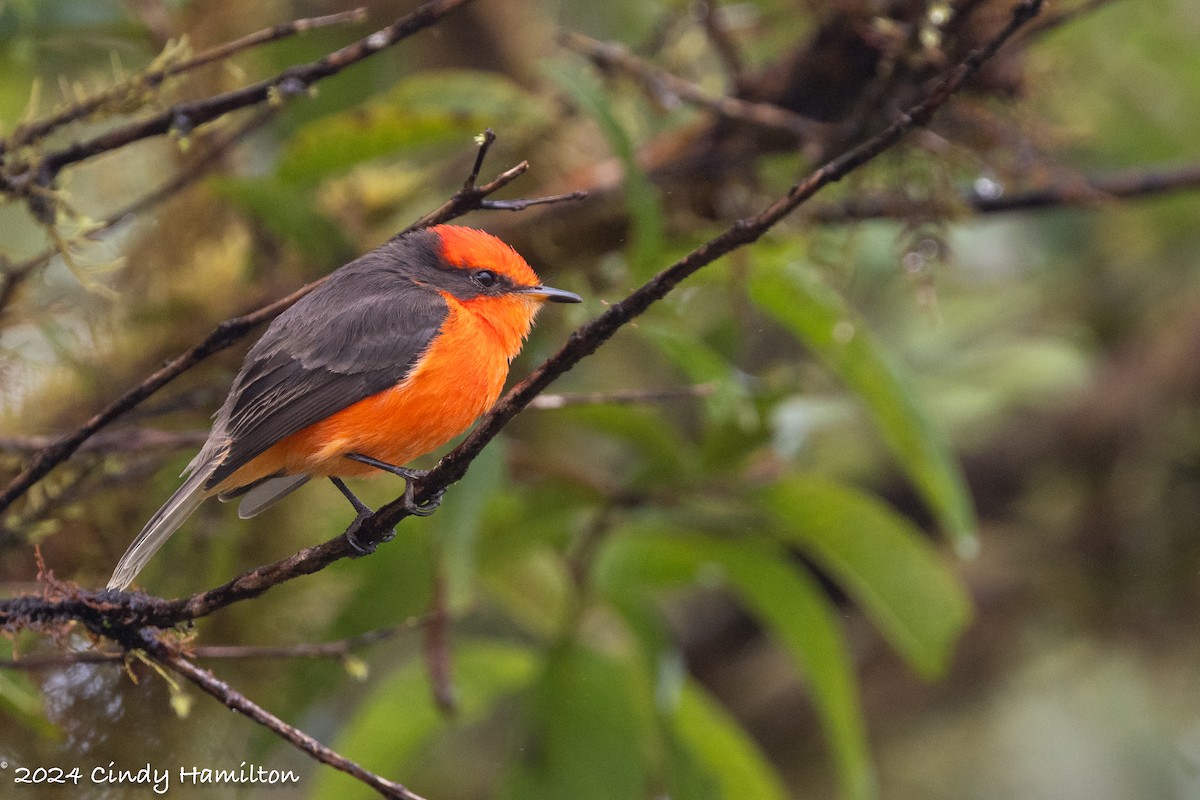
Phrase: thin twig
(335,649)
(546,401)
(12,277)
(186,117)
(524,203)
(125,440)
(1086,192)
(237,701)
(609,55)
(29,133)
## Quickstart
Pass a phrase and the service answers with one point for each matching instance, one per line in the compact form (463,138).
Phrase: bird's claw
(421,509)
(360,547)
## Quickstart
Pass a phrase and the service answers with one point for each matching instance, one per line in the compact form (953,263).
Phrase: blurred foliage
(741,590)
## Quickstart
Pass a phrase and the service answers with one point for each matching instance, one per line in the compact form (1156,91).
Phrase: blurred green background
(911,513)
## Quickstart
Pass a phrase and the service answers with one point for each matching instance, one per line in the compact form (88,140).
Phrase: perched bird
(395,354)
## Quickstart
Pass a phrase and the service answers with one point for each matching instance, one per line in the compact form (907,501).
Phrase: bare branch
(1083,193)
(185,117)
(546,401)
(338,648)
(144,81)
(237,701)
(12,277)
(608,55)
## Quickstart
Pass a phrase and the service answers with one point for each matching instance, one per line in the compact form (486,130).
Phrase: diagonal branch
(12,277)
(608,55)
(141,82)
(238,702)
(185,117)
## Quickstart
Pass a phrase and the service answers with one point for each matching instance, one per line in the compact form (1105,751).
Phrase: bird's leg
(364,511)
(409,475)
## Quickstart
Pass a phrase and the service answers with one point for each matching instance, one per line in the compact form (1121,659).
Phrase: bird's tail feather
(160,527)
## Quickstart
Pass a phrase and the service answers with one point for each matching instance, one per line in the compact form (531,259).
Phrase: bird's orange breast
(457,379)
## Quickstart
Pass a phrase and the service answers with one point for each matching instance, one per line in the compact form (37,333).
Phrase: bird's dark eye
(486,278)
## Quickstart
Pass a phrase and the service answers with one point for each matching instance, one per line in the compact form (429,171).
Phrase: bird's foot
(409,475)
(359,547)
(421,509)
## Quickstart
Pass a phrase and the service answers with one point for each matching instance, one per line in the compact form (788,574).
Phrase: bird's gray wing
(354,336)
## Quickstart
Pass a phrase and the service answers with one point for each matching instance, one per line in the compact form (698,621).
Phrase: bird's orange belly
(458,379)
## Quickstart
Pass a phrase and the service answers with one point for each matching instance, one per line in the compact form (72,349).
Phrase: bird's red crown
(467,247)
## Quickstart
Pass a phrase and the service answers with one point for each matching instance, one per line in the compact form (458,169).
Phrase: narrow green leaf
(426,109)
(645,211)
(657,453)
(818,315)
(589,726)
(882,560)
(741,771)
(399,716)
(457,526)
(284,209)
(728,401)
(786,600)
(21,702)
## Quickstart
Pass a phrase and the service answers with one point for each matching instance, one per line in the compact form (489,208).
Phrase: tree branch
(1084,193)
(339,648)
(186,117)
(237,701)
(608,55)
(152,78)
(12,277)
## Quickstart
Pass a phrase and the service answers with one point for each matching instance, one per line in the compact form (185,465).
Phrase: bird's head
(482,266)
(480,274)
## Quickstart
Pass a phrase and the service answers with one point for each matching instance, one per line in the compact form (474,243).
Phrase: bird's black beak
(552,294)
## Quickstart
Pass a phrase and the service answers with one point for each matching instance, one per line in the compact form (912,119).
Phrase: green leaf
(531,587)
(728,402)
(660,454)
(785,599)
(21,702)
(456,527)
(399,715)
(741,771)
(647,242)
(882,560)
(589,725)
(287,212)
(812,310)
(438,107)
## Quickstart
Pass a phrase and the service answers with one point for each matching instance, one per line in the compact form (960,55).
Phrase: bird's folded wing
(344,342)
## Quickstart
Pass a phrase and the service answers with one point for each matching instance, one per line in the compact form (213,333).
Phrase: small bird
(395,354)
